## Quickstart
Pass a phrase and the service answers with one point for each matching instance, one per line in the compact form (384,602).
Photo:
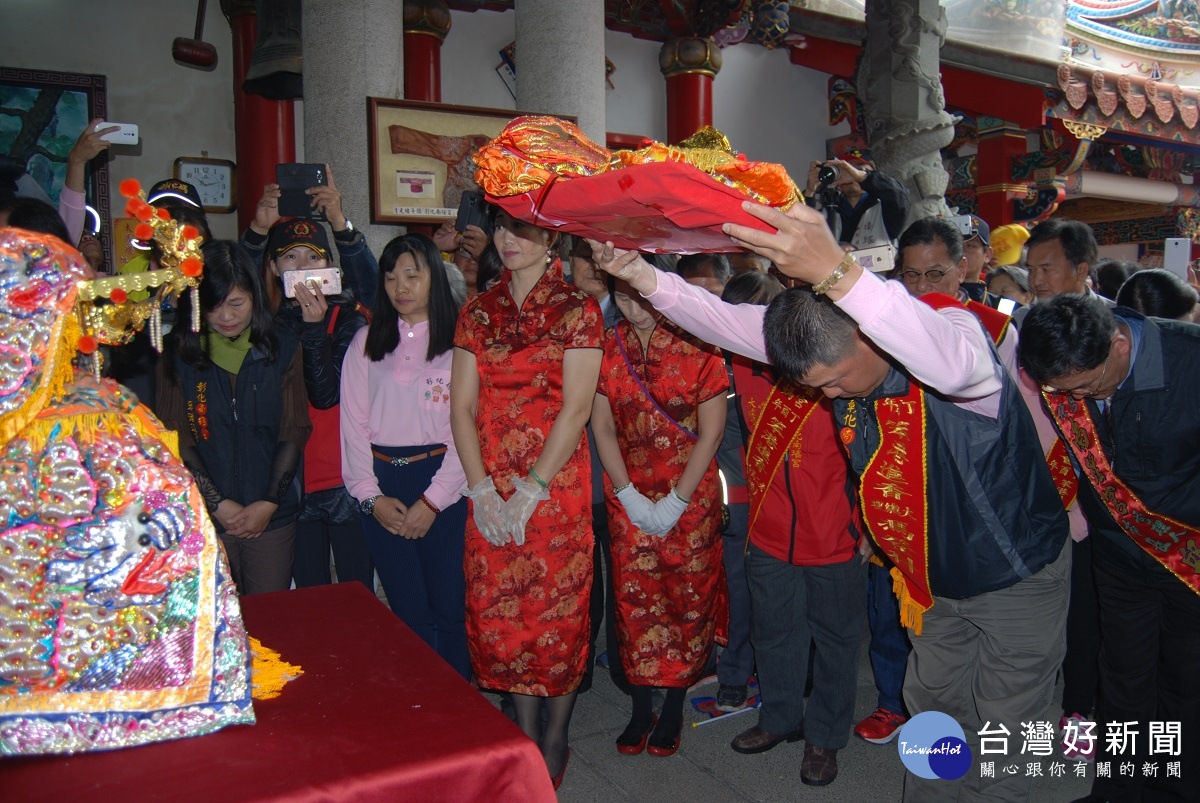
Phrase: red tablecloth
(375,716)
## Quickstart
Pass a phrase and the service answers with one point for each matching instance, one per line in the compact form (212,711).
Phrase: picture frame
(42,114)
(420,156)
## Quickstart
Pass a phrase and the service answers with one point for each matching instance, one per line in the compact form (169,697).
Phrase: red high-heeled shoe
(558,779)
(669,749)
(634,749)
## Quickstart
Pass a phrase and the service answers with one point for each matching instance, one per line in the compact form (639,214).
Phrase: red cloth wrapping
(662,207)
(376,716)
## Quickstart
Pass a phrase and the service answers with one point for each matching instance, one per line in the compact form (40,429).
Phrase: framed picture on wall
(42,113)
(421,156)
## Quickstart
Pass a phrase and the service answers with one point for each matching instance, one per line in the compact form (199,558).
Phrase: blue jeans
(889,641)
(423,578)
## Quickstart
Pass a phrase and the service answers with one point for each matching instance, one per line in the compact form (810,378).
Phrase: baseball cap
(296,232)
(980,229)
(1007,241)
(175,188)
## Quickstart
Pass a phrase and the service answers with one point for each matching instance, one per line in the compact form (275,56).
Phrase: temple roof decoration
(1136,93)
(1168,29)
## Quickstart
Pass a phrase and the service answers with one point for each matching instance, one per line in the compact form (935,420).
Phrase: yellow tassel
(269,672)
(912,612)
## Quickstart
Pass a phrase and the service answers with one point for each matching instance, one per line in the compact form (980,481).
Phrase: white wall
(179,111)
(771,109)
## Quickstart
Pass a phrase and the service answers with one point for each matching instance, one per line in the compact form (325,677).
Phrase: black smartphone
(472,211)
(293,179)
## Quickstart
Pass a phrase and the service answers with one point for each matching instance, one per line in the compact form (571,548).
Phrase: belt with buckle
(404,461)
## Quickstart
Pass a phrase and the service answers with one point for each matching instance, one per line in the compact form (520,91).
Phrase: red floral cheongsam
(670,590)
(527,606)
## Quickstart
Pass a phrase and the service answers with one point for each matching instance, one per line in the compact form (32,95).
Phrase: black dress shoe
(757,740)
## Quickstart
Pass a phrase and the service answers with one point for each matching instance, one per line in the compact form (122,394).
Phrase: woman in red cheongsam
(526,359)
(658,419)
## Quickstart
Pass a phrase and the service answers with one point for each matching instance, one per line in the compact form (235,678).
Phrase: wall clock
(214,179)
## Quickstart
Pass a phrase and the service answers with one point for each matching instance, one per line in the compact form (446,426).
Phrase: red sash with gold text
(1172,543)
(773,435)
(893,491)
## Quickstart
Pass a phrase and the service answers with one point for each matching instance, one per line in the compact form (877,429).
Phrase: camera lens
(828,174)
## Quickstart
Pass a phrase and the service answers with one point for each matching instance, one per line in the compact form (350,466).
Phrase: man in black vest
(954,484)
(1123,390)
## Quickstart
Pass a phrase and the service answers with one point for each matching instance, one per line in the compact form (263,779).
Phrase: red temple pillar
(689,64)
(1000,142)
(265,129)
(426,23)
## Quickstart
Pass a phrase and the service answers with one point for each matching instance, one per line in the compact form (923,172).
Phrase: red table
(375,716)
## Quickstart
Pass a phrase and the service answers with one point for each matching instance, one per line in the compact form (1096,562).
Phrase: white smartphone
(1006,305)
(877,258)
(126,133)
(327,280)
(1177,253)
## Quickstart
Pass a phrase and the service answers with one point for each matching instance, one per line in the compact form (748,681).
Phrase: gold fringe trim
(911,611)
(269,673)
(86,427)
(57,373)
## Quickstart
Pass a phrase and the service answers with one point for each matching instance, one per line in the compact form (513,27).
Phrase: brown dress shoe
(819,766)
(757,740)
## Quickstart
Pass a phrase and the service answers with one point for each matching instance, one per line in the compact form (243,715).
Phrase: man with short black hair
(948,462)
(1059,257)
(1122,389)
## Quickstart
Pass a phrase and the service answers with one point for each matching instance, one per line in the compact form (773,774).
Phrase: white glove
(520,506)
(488,509)
(637,507)
(666,513)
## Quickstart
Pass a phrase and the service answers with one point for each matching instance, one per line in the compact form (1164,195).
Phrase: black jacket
(1154,443)
(323,354)
(238,441)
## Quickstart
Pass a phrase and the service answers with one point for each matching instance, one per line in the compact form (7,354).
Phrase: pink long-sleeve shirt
(402,400)
(946,349)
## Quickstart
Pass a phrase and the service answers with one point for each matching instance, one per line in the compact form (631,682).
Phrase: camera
(827,174)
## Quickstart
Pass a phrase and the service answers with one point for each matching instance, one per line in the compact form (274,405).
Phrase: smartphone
(327,280)
(472,211)
(1007,306)
(1177,255)
(293,179)
(126,133)
(877,259)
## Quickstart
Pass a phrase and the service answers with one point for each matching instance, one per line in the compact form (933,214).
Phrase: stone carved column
(689,63)
(904,105)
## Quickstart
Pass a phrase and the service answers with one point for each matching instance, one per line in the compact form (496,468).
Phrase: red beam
(1018,103)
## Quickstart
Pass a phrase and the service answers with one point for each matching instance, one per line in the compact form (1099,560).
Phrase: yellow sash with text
(1175,545)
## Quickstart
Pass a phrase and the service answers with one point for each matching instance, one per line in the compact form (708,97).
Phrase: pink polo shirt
(402,400)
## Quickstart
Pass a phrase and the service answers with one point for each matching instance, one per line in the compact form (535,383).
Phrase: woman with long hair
(658,419)
(398,456)
(234,391)
(526,358)
(324,325)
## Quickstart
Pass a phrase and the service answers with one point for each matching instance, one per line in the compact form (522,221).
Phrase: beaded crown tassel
(119,623)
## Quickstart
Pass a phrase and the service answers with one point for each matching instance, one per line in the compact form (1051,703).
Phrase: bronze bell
(277,63)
